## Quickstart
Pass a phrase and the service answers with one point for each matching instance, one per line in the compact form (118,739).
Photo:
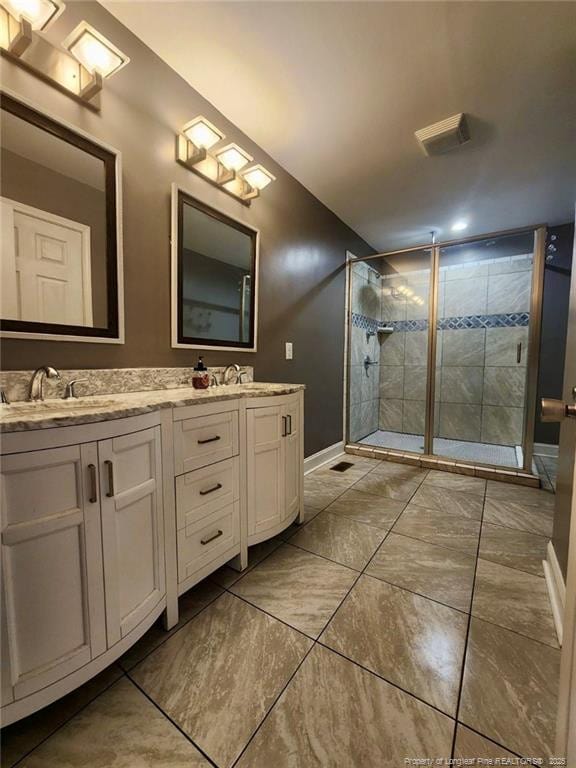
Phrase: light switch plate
(289,352)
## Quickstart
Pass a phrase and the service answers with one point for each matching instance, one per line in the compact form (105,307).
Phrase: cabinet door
(293,460)
(265,462)
(132,528)
(52,566)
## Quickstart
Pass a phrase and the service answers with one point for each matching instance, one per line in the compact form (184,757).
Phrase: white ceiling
(335,91)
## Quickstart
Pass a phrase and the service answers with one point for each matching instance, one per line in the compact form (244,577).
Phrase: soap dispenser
(200,376)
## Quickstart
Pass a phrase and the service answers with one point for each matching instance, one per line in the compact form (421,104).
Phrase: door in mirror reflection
(58,248)
(216,275)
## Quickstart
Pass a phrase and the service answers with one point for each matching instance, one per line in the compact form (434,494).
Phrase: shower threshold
(486,453)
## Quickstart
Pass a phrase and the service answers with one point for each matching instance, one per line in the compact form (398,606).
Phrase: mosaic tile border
(512,320)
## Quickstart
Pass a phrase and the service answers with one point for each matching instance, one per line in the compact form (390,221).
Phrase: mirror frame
(179,341)
(114,332)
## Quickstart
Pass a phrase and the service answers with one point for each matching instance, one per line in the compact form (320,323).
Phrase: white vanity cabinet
(82,554)
(105,524)
(207,460)
(274,459)
(132,528)
(52,566)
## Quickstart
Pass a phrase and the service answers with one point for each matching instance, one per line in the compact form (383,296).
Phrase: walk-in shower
(443,347)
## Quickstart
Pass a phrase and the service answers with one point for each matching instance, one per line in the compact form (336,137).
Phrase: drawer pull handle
(284,426)
(110,468)
(289,424)
(211,538)
(93,498)
(211,490)
(209,440)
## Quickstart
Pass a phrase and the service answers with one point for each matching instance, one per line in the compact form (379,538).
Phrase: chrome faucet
(233,367)
(37,382)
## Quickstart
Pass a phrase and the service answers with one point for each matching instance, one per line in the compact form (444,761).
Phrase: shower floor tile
(486,453)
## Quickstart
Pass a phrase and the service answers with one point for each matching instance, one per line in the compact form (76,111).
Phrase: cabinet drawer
(206,490)
(203,440)
(204,541)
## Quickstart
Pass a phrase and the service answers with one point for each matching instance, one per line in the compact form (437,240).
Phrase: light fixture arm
(22,38)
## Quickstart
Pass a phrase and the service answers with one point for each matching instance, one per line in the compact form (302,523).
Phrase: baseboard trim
(543,449)
(325,456)
(556,589)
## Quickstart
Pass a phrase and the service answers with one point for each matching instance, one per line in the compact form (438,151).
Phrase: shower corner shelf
(385,329)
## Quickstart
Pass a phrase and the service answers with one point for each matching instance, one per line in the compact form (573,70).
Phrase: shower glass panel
(389,307)
(483,314)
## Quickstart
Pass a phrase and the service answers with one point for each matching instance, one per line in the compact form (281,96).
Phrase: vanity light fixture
(202,133)
(79,72)
(233,157)
(196,138)
(94,52)
(223,166)
(19,18)
(258,177)
(39,13)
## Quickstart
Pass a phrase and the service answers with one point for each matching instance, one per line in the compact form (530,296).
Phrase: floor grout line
(417,594)
(386,680)
(515,632)
(468,628)
(433,543)
(68,719)
(169,633)
(479,733)
(172,721)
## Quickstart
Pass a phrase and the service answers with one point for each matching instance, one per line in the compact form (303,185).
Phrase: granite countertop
(24,416)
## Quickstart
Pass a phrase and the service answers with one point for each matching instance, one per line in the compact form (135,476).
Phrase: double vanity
(114,505)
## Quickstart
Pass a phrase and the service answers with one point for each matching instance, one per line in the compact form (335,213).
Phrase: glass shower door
(483,316)
(389,303)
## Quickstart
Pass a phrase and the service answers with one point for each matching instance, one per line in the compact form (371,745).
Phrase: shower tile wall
(364,380)
(483,316)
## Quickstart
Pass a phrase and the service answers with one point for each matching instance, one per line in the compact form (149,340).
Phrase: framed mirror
(60,246)
(214,277)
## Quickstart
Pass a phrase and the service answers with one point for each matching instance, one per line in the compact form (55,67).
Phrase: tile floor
(407,618)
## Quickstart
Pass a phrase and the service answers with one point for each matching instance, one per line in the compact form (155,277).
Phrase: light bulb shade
(233,157)
(40,13)
(258,177)
(94,51)
(202,133)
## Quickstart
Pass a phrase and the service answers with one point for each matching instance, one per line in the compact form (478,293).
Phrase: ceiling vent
(444,136)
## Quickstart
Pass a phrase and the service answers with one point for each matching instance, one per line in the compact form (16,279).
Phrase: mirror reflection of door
(45,267)
(58,243)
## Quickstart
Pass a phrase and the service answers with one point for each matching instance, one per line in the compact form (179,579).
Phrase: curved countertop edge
(59,413)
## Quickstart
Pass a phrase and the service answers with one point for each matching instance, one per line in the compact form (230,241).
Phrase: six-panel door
(132,528)
(52,567)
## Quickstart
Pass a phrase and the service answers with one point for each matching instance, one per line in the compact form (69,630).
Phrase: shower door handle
(519,352)
(556,410)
